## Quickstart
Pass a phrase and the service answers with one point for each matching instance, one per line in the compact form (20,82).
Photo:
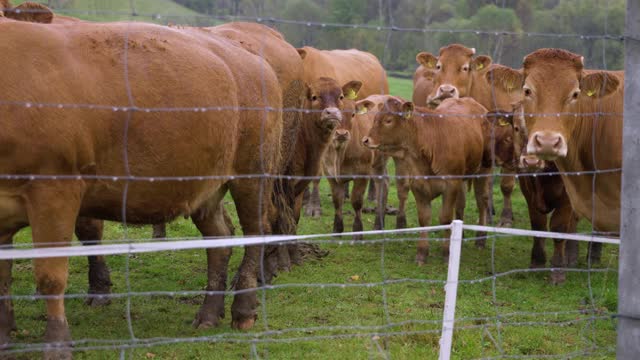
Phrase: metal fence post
(451,290)
(629,272)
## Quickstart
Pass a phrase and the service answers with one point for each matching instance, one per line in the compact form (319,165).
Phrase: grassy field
(503,309)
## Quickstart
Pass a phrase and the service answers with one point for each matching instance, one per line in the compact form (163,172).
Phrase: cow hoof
(537,265)
(389,210)
(421,259)
(505,223)
(205,320)
(245,324)
(58,337)
(480,244)
(358,237)
(98,301)
(401,222)
(558,277)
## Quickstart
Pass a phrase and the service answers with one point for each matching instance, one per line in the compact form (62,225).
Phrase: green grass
(401,87)
(527,317)
(160,11)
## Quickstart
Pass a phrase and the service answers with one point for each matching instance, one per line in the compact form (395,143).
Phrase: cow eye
(341,97)
(527,92)
(388,121)
(438,67)
(575,95)
(516,128)
(465,68)
(314,98)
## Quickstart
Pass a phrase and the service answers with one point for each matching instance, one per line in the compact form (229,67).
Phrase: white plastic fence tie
(543,234)
(134,248)
(451,290)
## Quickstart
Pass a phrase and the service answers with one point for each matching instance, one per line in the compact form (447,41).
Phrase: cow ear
(350,89)
(505,78)
(599,84)
(31,12)
(407,110)
(364,106)
(481,63)
(302,52)
(427,60)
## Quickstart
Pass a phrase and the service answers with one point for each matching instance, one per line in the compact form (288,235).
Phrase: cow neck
(424,137)
(315,141)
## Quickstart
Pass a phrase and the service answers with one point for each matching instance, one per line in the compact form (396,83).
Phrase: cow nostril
(536,141)
(558,143)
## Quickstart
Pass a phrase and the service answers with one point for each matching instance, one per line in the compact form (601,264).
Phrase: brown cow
(573,112)
(347,156)
(343,66)
(435,146)
(545,195)
(457,73)
(91,140)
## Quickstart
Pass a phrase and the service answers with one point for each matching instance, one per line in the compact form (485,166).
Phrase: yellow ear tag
(590,92)
(480,66)
(407,115)
(363,110)
(510,86)
(430,64)
(503,122)
(352,95)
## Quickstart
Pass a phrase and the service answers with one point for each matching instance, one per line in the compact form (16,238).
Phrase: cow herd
(141,123)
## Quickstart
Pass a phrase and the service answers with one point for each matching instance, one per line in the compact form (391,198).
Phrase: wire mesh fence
(367,297)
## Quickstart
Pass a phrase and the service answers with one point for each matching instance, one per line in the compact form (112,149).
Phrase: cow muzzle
(531,163)
(547,145)
(331,118)
(342,136)
(368,142)
(445,91)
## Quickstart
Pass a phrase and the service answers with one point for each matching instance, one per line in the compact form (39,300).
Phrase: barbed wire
(497,321)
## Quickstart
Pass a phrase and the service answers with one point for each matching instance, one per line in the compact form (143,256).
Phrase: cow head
(554,86)
(27,12)
(331,105)
(390,126)
(453,70)
(498,132)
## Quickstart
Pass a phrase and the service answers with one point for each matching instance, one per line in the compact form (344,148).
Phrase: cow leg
(7,318)
(209,220)
(594,252)
(403,193)
(337,195)
(314,207)
(346,190)
(538,253)
(482,190)
(372,191)
(423,203)
(252,206)
(559,221)
(461,203)
(381,191)
(160,231)
(507,184)
(449,201)
(52,209)
(89,232)
(357,200)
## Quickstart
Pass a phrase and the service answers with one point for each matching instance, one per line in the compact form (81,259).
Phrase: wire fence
(366,298)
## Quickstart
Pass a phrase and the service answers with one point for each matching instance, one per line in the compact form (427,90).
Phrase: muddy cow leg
(7,318)
(357,201)
(346,190)
(563,220)
(209,220)
(449,201)
(160,231)
(403,186)
(423,204)
(337,195)
(252,206)
(507,184)
(538,253)
(89,232)
(52,208)
(481,188)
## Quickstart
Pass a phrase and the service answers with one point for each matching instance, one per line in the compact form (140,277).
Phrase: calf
(348,156)
(433,145)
